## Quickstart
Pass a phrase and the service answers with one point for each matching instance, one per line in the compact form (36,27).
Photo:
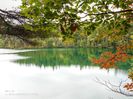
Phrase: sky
(9,4)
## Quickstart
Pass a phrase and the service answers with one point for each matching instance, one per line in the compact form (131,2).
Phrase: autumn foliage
(108,59)
(129,86)
(74,27)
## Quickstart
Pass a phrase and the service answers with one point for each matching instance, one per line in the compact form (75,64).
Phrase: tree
(11,25)
(109,60)
(67,17)
(66,14)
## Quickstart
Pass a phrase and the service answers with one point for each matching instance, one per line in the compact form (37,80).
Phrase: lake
(58,73)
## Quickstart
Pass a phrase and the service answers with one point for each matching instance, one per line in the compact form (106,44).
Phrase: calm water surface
(56,74)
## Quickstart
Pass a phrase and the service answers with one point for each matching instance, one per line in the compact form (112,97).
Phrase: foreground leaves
(108,59)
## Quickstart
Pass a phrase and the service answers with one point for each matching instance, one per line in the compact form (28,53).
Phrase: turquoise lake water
(60,73)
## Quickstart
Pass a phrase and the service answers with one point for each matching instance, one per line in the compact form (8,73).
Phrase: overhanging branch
(115,88)
(110,12)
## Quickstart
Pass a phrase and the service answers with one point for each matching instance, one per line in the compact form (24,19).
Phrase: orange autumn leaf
(109,59)
(128,86)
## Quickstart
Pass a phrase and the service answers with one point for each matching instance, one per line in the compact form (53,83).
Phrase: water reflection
(56,58)
(22,79)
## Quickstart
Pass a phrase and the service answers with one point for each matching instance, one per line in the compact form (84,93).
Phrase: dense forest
(68,23)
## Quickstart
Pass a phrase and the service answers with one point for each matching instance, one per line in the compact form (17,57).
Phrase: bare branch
(12,15)
(111,12)
(115,88)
